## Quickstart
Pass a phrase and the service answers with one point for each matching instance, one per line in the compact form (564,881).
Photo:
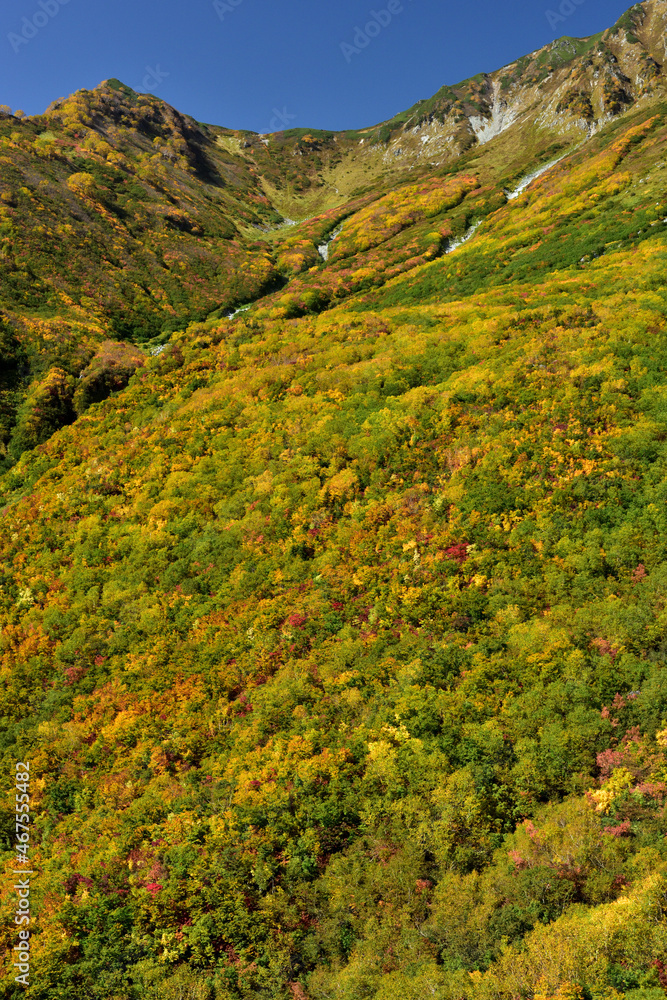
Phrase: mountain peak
(114,84)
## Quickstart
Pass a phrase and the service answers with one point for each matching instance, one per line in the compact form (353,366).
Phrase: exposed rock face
(570,86)
(501,117)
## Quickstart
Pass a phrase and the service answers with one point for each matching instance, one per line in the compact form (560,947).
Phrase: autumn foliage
(334,632)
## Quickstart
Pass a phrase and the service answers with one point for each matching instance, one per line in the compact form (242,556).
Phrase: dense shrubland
(336,642)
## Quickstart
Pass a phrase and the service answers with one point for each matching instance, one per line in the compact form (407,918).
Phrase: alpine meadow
(333,543)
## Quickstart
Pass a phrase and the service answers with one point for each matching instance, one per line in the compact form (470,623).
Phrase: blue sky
(266,65)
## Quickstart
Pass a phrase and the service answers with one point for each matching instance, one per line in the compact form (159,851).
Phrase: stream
(521,186)
(234,312)
(323,248)
(529,178)
(460,240)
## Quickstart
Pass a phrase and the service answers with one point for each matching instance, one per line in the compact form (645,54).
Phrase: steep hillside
(123,219)
(334,631)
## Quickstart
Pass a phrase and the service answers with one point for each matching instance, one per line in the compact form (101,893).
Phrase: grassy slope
(337,642)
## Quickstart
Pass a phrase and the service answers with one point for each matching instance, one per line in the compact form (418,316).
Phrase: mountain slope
(335,638)
(121,218)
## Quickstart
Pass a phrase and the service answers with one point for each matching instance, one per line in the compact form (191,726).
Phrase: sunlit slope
(337,642)
(115,224)
(123,219)
(607,196)
(112,204)
(588,200)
